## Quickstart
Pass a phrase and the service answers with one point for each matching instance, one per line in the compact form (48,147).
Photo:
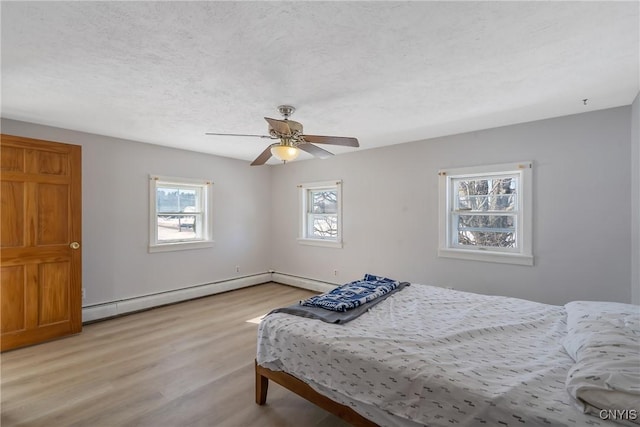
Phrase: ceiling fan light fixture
(286,153)
(292,140)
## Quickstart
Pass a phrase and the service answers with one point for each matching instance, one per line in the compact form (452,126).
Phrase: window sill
(318,242)
(180,246)
(486,256)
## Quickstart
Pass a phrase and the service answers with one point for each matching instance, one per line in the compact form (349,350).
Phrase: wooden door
(40,271)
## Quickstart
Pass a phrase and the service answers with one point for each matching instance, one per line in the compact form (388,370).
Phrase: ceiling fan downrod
(286,111)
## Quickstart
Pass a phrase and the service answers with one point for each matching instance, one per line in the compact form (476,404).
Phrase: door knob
(74,245)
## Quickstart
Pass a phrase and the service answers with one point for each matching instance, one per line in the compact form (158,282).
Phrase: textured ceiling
(384,72)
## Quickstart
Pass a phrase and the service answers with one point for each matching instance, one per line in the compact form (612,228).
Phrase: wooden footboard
(263,375)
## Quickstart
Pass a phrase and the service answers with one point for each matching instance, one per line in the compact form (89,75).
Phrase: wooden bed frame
(263,375)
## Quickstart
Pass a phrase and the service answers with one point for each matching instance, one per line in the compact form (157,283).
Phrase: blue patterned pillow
(372,278)
(354,294)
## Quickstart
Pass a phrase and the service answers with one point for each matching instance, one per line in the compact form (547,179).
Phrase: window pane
(170,199)
(188,200)
(481,222)
(323,226)
(487,194)
(167,199)
(487,230)
(173,205)
(174,228)
(324,202)
(489,239)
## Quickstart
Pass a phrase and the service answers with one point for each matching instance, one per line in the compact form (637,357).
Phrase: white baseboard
(302,282)
(116,308)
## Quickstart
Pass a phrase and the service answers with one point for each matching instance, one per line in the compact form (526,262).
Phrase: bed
(439,357)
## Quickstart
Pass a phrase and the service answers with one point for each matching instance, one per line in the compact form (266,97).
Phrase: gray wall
(635,201)
(583,213)
(582,210)
(115,200)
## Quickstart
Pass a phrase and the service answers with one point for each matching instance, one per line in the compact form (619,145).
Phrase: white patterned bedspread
(436,357)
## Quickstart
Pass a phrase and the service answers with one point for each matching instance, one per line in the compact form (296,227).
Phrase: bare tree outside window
(485,210)
(323,218)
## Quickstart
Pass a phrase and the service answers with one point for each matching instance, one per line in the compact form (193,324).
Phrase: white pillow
(604,341)
(596,323)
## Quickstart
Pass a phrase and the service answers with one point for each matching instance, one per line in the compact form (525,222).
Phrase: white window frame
(303,234)
(523,254)
(206,237)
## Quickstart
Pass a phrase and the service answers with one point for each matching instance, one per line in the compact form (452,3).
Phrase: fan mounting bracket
(286,110)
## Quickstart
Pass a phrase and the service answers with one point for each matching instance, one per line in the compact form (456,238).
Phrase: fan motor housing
(295,129)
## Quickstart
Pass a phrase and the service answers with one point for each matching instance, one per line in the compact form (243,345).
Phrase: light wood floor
(188,364)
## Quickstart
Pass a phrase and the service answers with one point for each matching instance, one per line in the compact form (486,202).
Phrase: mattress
(437,357)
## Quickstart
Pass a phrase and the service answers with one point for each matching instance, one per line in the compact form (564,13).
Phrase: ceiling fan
(292,140)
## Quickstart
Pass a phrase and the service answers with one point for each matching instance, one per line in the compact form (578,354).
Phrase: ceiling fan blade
(333,140)
(238,134)
(315,151)
(263,157)
(279,126)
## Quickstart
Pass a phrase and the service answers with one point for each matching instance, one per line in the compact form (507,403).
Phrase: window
(180,214)
(485,213)
(321,214)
